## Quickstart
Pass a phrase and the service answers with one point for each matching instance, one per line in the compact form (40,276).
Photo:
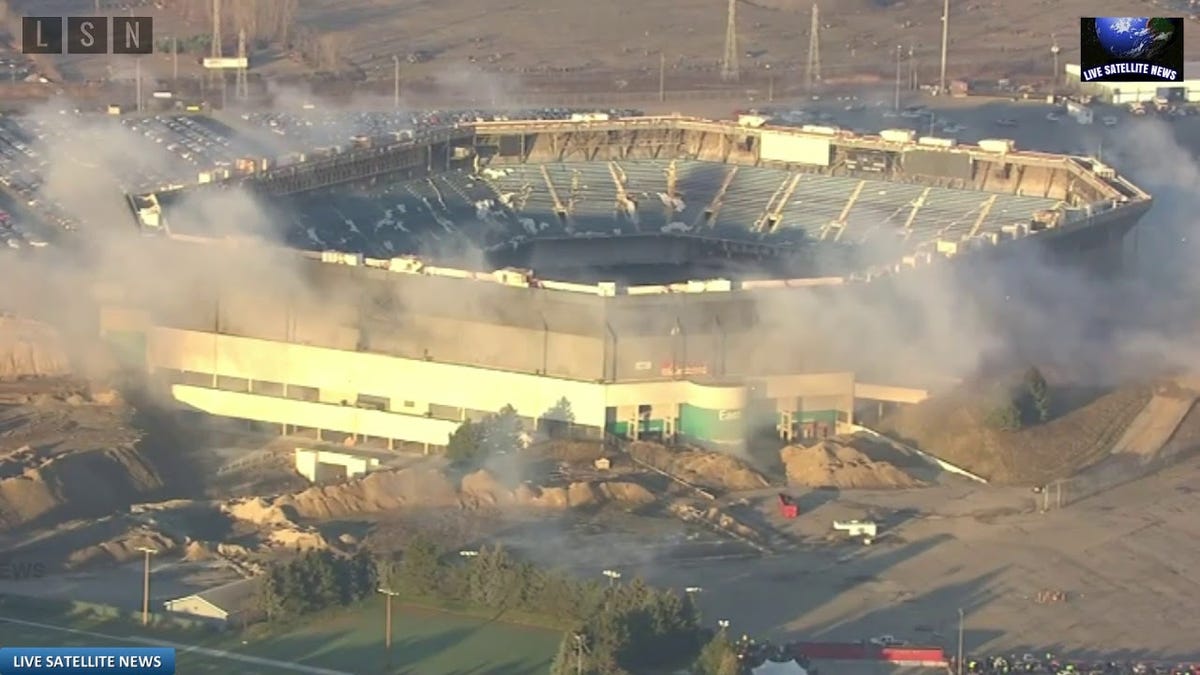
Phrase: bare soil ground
(68,451)
(953,427)
(607,46)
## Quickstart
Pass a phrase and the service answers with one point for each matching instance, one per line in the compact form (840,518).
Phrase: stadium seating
(510,201)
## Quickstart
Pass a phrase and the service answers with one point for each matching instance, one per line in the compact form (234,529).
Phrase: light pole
(898,53)
(945,44)
(662,76)
(387,622)
(1054,49)
(146,583)
(723,624)
(960,641)
(469,554)
(613,576)
(396,81)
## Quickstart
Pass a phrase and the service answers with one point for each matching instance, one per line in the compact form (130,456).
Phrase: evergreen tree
(465,447)
(501,432)
(420,569)
(1039,393)
(718,657)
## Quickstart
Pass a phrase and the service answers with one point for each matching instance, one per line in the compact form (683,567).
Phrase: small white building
(232,604)
(1123,93)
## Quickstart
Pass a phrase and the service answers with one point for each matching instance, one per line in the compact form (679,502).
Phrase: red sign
(672,369)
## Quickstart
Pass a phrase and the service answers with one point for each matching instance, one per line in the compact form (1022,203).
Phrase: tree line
(612,628)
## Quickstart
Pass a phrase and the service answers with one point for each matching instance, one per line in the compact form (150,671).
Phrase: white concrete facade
(425,401)
(309,462)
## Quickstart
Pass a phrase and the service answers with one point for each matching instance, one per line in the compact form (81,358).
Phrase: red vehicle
(788,508)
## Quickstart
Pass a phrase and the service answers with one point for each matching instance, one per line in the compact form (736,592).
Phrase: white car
(1109,121)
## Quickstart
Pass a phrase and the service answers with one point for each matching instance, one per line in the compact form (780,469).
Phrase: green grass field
(425,642)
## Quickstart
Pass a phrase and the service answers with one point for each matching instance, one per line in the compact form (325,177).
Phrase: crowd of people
(1057,665)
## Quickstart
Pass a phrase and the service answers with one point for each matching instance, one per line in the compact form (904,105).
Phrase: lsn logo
(87,35)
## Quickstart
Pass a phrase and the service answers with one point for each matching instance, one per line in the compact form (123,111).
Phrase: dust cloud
(940,321)
(947,321)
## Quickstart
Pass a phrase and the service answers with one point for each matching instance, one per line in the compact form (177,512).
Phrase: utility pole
(242,82)
(174,61)
(1054,49)
(729,63)
(959,663)
(945,44)
(896,103)
(580,646)
(912,70)
(387,623)
(812,69)
(770,84)
(395,82)
(146,584)
(216,51)
(662,76)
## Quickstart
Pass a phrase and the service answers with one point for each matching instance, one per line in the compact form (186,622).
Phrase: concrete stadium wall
(424,401)
(503,347)
(348,374)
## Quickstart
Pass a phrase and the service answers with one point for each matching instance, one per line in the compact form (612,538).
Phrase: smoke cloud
(945,321)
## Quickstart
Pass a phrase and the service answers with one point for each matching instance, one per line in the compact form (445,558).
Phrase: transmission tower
(729,64)
(217,52)
(243,87)
(812,70)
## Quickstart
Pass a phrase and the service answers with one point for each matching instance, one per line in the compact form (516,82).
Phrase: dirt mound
(714,470)
(297,539)
(31,349)
(481,488)
(954,428)
(629,494)
(120,549)
(197,551)
(75,484)
(576,452)
(378,491)
(258,511)
(833,464)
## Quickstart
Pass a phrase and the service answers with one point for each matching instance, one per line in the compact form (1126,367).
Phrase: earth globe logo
(1134,38)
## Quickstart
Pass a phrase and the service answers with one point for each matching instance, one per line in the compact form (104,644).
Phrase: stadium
(610,273)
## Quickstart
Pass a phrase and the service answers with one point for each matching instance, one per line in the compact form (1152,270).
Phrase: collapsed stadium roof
(662,191)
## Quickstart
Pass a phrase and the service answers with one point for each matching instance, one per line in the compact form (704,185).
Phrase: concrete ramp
(1154,426)
(888,393)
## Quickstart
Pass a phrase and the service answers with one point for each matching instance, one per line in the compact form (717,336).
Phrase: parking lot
(43,156)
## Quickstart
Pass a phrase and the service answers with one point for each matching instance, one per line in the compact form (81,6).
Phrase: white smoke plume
(948,320)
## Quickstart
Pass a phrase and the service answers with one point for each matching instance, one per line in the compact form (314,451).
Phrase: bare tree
(285,19)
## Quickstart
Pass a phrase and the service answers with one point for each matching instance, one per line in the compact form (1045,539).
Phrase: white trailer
(1080,113)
